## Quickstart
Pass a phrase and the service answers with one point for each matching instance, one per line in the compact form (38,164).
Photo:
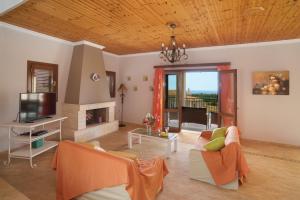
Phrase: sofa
(198,157)
(118,192)
(84,173)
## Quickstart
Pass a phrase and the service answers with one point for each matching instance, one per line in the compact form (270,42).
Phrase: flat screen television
(34,106)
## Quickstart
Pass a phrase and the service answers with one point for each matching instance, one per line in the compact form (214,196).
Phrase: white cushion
(232,135)
(200,143)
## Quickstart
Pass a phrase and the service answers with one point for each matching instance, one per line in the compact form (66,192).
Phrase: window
(42,77)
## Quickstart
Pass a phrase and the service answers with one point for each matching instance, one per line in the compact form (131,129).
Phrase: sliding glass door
(172,101)
(199,99)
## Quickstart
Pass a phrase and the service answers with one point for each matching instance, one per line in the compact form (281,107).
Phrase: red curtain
(227,96)
(158,97)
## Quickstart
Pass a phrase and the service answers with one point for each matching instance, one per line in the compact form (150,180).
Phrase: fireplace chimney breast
(81,89)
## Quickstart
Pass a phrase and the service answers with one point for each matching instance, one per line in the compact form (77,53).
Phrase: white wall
(19,47)
(268,118)
(16,48)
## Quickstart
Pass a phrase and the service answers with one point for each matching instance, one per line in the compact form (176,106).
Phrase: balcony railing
(211,103)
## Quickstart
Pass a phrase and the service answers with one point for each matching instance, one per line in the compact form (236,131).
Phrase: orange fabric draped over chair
(158,97)
(227,103)
(224,164)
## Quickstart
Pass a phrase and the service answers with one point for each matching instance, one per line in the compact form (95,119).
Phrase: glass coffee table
(142,132)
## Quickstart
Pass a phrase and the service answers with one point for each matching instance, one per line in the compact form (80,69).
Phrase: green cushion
(218,132)
(216,144)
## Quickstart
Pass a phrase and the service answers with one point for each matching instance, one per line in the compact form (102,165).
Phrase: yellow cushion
(124,154)
(218,132)
(93,145)
(216,144)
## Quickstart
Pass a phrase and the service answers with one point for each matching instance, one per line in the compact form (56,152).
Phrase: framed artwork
(111,77)
(270,83)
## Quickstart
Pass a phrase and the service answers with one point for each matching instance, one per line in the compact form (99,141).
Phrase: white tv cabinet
(26,151)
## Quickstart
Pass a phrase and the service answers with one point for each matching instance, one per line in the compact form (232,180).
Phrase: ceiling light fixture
(173,53)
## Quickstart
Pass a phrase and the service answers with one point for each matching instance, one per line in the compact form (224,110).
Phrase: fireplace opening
(96,116)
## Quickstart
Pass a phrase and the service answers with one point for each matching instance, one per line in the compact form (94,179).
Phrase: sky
(205,81)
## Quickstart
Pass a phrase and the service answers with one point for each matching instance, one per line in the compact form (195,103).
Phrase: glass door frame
(226,114)
(178,99)
(180,84)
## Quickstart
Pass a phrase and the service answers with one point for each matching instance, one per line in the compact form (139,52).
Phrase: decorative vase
(148,128)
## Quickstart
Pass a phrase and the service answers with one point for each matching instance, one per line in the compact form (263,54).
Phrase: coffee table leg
(140,139)
(129,141)
(169,149)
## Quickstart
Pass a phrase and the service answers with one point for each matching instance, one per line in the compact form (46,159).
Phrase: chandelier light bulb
(162,45)
(183,46)
(161,55)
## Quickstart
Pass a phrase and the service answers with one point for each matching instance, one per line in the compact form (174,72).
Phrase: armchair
(223,168)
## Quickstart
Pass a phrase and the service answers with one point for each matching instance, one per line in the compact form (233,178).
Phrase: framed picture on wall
(271,83)
(111,77)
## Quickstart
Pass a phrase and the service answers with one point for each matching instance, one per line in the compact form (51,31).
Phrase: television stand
(27,152)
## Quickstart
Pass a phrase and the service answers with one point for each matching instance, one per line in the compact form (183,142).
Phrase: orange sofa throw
(80,169)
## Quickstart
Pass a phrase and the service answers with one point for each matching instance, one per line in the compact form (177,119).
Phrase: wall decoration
(151,88)
(270,83)
(135,88)
(145,78)
(95,77)
(128,78)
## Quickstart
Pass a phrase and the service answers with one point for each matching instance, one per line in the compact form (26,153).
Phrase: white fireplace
(89,121)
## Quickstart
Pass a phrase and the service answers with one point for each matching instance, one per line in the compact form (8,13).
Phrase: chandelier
(173,53)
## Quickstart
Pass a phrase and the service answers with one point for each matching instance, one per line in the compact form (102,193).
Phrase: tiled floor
(274,172)
(7,192)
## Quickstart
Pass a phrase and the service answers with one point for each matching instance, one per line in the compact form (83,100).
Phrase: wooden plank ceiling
(133,26)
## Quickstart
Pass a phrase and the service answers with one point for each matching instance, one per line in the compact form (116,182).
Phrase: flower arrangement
(149,121)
